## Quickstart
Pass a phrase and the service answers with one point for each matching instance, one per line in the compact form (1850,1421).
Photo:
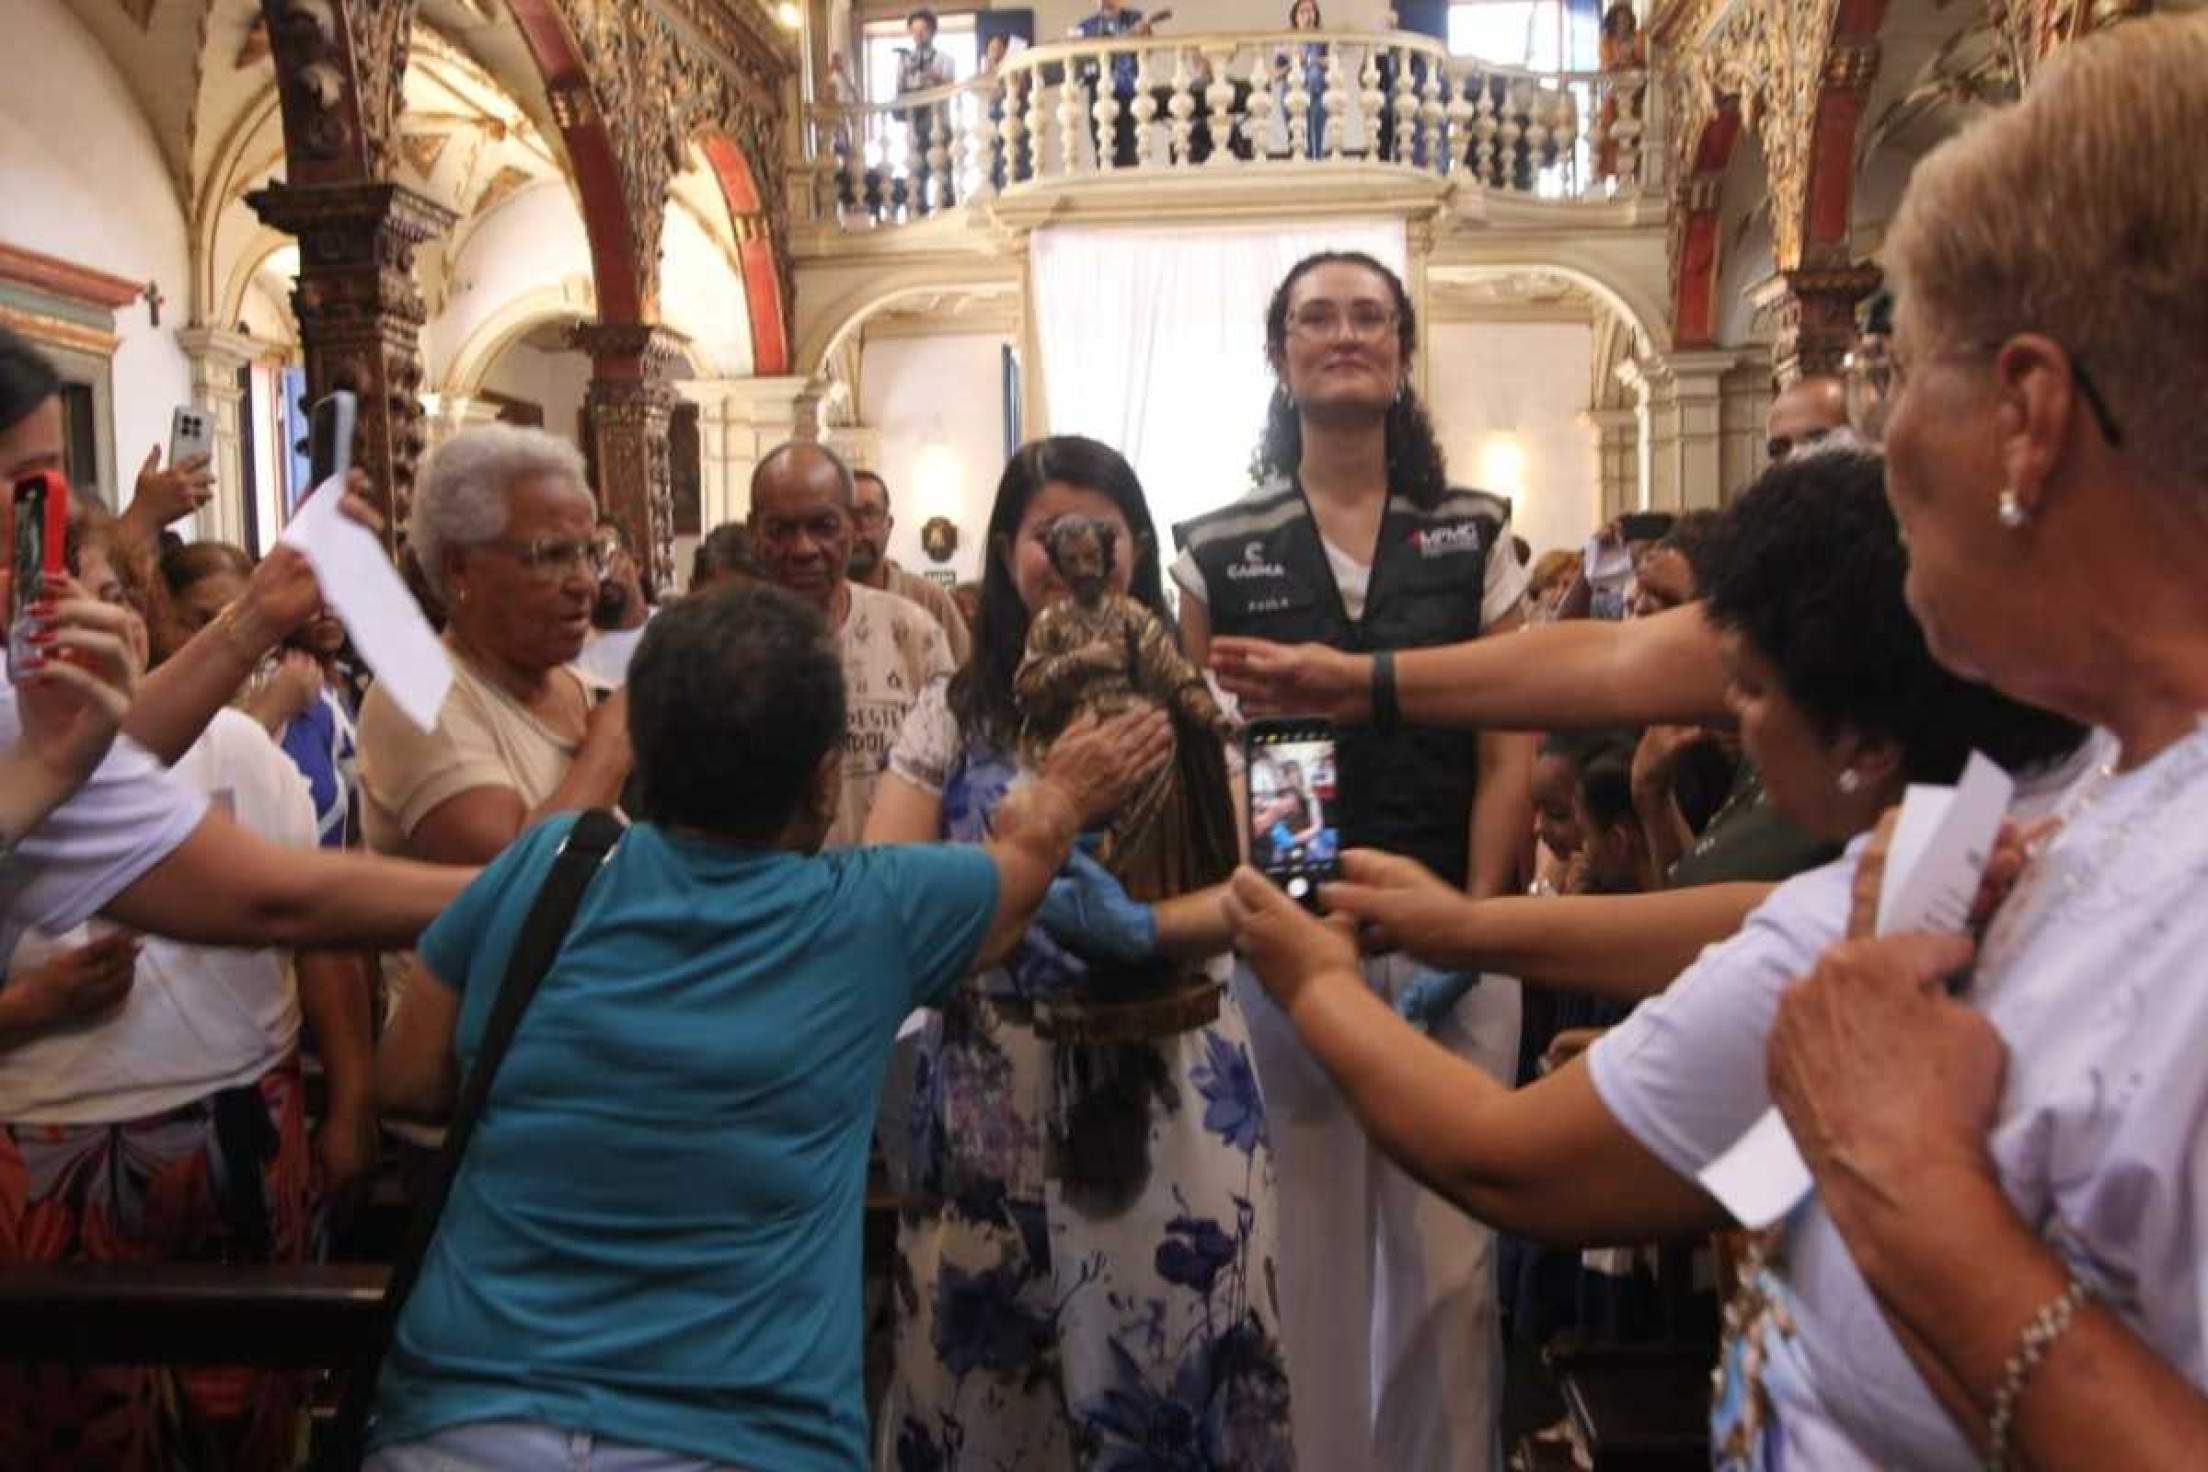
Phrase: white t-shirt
(1505,580)
(130,816)
(892,650)
(2092,974)
(605,659)
(197,1018)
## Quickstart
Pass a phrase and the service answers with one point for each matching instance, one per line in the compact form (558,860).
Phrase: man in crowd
(1805,412)
(872,565)
(620,611)
(802,503)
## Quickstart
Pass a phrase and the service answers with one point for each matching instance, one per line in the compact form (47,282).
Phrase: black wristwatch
(1387,711)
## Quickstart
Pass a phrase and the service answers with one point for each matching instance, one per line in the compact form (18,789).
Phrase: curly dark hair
(980,695)
(734,697)
(1416,467)
(1807,567)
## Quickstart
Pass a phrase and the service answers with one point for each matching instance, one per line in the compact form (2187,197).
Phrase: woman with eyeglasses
(1356,540)
(504,531)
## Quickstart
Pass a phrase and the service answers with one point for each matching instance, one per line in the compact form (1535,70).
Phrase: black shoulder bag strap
(542,934)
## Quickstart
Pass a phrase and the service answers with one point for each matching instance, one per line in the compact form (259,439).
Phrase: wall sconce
(935,477)
(789,16)
(1503,466)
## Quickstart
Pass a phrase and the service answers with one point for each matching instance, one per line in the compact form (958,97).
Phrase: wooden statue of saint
(1102,652)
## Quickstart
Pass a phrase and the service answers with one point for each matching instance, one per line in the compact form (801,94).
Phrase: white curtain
(1153,341)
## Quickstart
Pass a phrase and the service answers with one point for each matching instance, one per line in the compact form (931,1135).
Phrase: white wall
(938,405)
(533,240)
(84,180)
(554,381)
(1513,394)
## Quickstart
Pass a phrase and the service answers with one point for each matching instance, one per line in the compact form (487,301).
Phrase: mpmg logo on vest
(1444,541)
(1254,565)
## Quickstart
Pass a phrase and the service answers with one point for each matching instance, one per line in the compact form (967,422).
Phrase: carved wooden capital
(1813,312)
(340,65)
(360,314)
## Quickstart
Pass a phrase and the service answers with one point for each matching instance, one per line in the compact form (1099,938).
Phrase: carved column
(360,315)
(1813,314)
(631,398)
(216,359)
(743,419)
(1617,459)
(1682,409)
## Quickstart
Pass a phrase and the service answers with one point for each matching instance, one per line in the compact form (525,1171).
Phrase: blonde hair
(2076,214)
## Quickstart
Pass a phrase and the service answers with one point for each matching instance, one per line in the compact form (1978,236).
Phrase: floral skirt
(1087,1280)
(221,1179)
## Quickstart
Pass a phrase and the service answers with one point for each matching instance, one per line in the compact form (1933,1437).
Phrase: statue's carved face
(1081,549)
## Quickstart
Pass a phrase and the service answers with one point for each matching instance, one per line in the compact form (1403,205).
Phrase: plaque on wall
(939,539)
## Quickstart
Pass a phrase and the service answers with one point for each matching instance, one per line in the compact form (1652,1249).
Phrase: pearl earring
(1850,781)
(2011,511)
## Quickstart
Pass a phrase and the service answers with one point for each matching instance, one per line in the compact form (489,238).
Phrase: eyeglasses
(1367,321)
(549,559)
(869,515)
(1875,375)
(781,531)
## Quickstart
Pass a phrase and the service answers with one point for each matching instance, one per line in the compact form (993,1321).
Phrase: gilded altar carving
(340,69)
(659,75)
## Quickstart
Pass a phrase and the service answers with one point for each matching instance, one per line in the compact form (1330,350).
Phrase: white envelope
(366,593)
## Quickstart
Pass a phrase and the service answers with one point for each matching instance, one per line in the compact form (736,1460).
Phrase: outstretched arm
(1552,677)
(1548,1161)
(1623,947)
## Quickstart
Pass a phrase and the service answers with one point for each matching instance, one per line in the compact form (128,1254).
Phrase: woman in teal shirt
(651,1256)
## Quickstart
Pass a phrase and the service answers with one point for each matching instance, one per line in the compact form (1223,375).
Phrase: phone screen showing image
(1295,839)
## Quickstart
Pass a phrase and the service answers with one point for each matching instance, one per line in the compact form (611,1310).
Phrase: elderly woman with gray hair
(502,530)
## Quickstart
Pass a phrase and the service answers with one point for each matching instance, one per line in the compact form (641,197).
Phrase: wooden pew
(189,1313)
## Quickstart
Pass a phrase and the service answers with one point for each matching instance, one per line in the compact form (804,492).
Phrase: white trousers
(1387,1291)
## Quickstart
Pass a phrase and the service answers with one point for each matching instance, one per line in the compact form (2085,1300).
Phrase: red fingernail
(42,609)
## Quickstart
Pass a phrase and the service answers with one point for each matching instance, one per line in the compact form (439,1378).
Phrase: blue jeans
(527,1446)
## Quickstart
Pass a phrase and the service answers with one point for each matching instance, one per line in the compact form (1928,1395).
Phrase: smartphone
(330,438)
(1646,526)
(38,544)
(1295,835)
(191,432)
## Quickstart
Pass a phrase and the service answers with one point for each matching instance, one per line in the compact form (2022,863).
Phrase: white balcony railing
(1130,107)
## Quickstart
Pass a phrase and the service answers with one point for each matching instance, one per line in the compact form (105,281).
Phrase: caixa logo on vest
(1254,565)
(1444,541)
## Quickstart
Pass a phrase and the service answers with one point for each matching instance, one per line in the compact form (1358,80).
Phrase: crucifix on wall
(153,299)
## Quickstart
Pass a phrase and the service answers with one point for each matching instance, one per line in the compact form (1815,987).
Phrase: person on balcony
(1115,18)
(1624,50)
(1303,15)
(922,68)
(1358,540)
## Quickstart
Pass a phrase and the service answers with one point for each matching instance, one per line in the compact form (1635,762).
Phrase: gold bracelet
(2048,1325)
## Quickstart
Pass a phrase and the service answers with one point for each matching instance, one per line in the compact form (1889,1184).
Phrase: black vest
(1266,576)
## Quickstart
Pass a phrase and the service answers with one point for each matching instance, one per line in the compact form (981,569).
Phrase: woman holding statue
(1085,1265)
